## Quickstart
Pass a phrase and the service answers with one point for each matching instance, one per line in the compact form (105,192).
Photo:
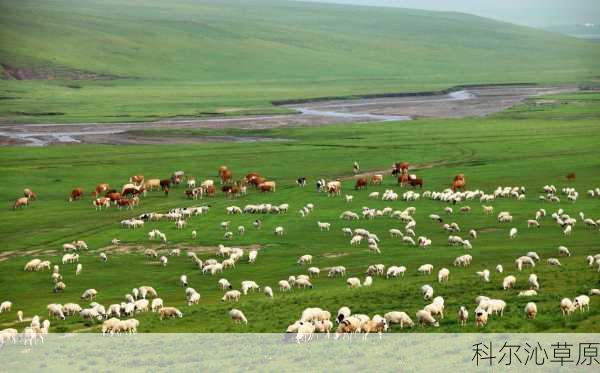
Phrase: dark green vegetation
(138,60)
(530,145)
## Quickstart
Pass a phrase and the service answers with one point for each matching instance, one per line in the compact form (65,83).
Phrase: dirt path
(473,101)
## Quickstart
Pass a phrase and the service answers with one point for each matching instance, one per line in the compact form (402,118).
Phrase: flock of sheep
(119,317)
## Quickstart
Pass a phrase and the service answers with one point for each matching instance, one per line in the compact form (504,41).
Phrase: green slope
(220,56)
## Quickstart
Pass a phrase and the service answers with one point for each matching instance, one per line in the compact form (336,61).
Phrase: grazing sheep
(566,306)
(314,272)
(268,291)
(563,251)
(509,282)
(484,275)
(193,299)
(398,317)
(463,316)
(425,319)
(481,317)
(425,269)
(553,262)
(527,293)
(224,284)
(533,282)
(231,295)
(533,223)
(499,268)
(594,291)
(427,292)
(374,326)
(103,257)
(368,281)
(238,316)
(183,280)
(303,283)
(581,302)
(473,233)
(20,316)
(163,261)
(71,309)
(284,286)
(530,310)
(337,271)
(5,306)
(78,270)
(513,233)
(169,312)
(279,231)
(443,275)
(305,259)
(353,282)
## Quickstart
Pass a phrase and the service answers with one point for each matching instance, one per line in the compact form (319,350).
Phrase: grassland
(114,61)
(530,145)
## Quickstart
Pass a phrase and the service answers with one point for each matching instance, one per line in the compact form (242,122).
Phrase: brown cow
(76,194)
(251,176)
(361,183)
(377,179)
(165,183)
(257,180)
(114,196)
(417,181)
(210,190)
(400,168)
(267,186)
(29,194)
(459,183)
(132,192)
(20,202)
(99,202)
(223,169)
(226,176)
(100,188)
(403,179)
(571,176)
(124,202)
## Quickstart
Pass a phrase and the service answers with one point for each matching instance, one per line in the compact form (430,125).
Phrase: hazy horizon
(535,13)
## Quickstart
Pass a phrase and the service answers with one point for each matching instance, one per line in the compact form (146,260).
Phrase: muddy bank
(468,102)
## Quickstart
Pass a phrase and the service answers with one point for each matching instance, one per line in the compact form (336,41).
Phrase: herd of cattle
(313,320)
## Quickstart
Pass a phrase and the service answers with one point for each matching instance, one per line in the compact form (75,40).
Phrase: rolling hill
(77,60)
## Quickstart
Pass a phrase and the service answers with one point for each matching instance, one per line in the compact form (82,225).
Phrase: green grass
(511,148)
(195,58)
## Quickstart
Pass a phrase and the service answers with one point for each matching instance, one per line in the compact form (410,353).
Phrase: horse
(29,194)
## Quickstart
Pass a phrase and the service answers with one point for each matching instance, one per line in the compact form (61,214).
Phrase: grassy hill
(145,59)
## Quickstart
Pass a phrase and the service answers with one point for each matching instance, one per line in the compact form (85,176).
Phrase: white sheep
(530,310)
(238,316)
(563,251)
(314,272)
(443,275)
(5,306)
(499,268)
(368,281)
(509,282)
(89,294)
(553,262)
(163,261)
(533,282)
(279,231)
(481,317)
(566,306)
(103,257)
(581,302)
(183,281)
(268,291)
(305,259)
(484,275)
(398,317)
(513,233)
(427,292)
(353,282)
(425,319)
(527,293)
(463,316)
(425,269)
